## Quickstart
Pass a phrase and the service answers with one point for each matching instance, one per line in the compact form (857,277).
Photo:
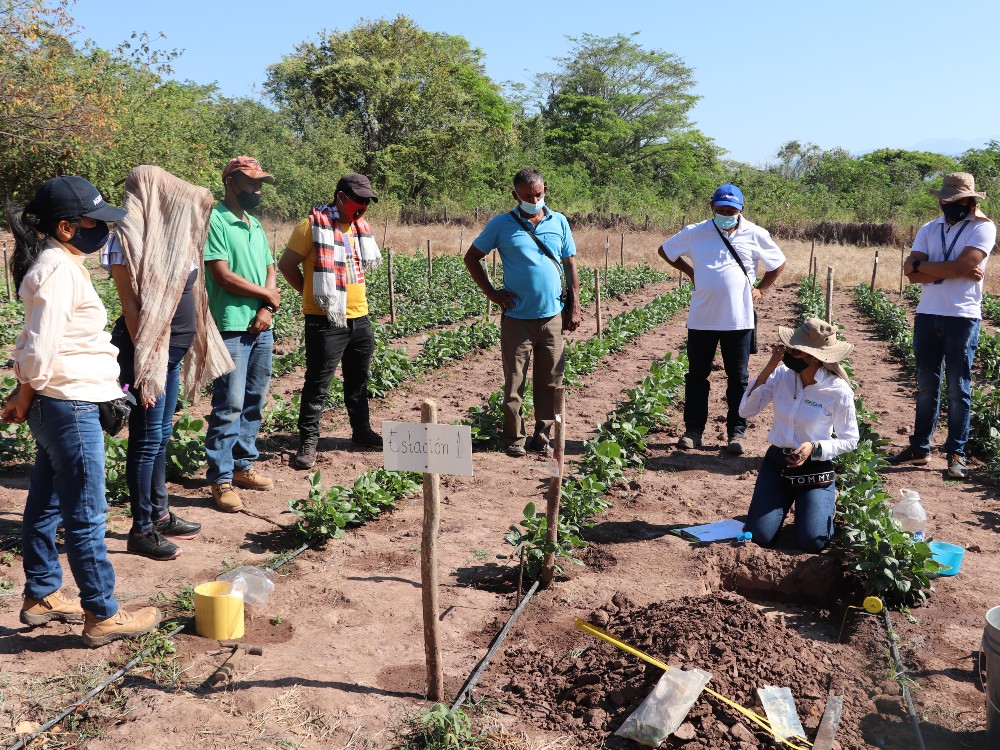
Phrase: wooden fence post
(385,231)
(812,254)
(597,298)
(829,294)
(461,241)
(429,571)
(430,268)
(815,270)
(554,493)
(607,250)
(621,253)
(874,271)
(392,289)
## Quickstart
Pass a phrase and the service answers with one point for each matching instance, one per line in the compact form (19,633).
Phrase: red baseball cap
(248,166)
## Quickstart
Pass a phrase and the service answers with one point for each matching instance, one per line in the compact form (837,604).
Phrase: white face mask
(532,208)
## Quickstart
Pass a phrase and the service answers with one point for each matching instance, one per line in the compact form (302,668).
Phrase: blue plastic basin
(949,555)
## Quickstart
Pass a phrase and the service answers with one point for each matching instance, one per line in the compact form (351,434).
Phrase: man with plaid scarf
(326,260)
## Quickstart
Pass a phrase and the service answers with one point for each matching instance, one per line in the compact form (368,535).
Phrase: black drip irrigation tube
(900,672)
(495,644)
(8,544)
(23,742)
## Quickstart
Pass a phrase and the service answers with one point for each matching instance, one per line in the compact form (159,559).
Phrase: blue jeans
(238,398)
(149,431)
(938,338)
(772,499)
(701,349)
(67,486)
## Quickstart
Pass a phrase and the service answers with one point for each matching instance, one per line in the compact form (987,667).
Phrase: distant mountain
(952,146)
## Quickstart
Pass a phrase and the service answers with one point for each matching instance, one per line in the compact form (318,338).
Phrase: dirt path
(345,662)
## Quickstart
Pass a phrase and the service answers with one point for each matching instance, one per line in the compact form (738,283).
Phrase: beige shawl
(164,231)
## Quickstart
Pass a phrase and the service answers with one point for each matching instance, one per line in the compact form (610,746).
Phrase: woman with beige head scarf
(814,421)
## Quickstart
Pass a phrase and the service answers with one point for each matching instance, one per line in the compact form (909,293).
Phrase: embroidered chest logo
(810,402)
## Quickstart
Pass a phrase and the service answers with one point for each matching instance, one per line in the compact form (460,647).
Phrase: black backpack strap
(541,245)
(732,251)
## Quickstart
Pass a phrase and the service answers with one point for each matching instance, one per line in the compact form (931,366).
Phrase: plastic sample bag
(779,707)
(665,707)
(910,514)
(252,583)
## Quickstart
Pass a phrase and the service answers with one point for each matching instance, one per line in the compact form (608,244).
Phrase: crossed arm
(965,266)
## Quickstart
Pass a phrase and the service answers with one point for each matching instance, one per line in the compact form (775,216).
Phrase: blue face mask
(725,222)
(532,208)
(90,239)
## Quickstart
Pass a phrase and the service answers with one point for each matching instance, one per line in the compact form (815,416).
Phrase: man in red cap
(326,260)
(242,296)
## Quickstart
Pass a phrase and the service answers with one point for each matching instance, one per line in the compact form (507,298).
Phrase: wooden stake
(597,298)
(429,571)
(6,270)
(874,270)
(275,243)
(812,274)
(392,289)
(607,250)
(430,267)
(385,231)
(902,260)
(812,253)
(829,294)
(477,215)
(461,240)
(621,254)
(554,494)
(645,227)
(680,279)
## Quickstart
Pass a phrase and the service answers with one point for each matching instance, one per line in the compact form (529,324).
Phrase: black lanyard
(949,249)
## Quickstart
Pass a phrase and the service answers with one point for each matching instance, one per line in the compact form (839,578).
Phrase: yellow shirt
(301,243)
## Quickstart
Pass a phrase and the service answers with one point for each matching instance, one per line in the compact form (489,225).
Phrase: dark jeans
(149,431)
(772,499)
(952,341)
(701,348)
(327,346)
(67,487)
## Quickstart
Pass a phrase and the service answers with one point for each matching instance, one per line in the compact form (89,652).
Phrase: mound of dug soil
(589,696)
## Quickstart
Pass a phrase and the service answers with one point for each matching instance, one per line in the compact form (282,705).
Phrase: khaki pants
(520,341)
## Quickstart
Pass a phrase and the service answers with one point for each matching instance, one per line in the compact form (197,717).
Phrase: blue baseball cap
(728,195)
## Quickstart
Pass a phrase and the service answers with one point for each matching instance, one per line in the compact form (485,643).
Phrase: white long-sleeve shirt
(812,413)
(63,350)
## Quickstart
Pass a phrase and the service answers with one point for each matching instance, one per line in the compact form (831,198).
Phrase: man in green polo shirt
(242,296)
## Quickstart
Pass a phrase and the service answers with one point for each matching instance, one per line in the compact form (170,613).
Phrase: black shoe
(537,445)
(367,438)
(735,445)
(689,440)
(909,455)
(516,450)
(153,546)
(176,526)
(306,456)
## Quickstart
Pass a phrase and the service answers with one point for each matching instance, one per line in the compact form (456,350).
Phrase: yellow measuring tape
(761,721)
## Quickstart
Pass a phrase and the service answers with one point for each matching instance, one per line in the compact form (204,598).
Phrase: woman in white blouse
(814,421)
(66,367)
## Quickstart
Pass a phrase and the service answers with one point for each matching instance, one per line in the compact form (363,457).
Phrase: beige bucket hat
(956,186)
(818,338)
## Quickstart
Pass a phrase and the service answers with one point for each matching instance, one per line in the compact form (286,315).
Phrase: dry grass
(851,265)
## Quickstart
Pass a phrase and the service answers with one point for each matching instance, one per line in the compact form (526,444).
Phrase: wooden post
(476,214)
(429,571)
(874,270)
(911,235)
(902,260)
(430,268)
(812,253)
(829,294)
(445,214)
(392,290)
(607,249)
(645,227)
(275,246)
(6,270)
(812,274)
(385,232)
(597,298)
(621,253)
(554,493)
(461,241)
(680,279)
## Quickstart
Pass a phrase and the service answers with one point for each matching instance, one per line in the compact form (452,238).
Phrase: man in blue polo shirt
(537,250)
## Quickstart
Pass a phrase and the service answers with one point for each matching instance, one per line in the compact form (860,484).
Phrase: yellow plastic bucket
(217,614)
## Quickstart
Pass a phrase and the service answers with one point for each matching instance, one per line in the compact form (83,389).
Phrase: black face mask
(954,211)
(90,239)
(795,364)
(248,201)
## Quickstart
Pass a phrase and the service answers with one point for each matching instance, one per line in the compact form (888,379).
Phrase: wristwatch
(272,308)
(916,265)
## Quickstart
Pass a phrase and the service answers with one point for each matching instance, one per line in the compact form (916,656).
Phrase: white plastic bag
(665,708)
(252,583)
(910,514)
(779,707)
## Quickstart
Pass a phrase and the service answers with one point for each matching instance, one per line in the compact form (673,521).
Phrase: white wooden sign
(430,448)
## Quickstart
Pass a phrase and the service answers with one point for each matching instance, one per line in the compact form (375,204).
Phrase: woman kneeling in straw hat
(814,421)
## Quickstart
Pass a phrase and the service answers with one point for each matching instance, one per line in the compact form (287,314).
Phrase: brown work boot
(226,498)
(249,479)
(121,625)
(55,606)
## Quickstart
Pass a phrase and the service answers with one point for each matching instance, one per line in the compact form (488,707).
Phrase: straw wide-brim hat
(957,186)
(818,338)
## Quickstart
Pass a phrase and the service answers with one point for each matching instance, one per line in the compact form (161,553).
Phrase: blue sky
(854,74)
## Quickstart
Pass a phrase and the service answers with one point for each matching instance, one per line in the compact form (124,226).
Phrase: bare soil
(343,661)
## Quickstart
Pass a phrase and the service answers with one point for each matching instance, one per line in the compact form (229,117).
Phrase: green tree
(613,105)
(984,164)
(425,114)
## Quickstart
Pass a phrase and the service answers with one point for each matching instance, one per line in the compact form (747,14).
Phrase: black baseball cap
(357,185)
(69,196)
